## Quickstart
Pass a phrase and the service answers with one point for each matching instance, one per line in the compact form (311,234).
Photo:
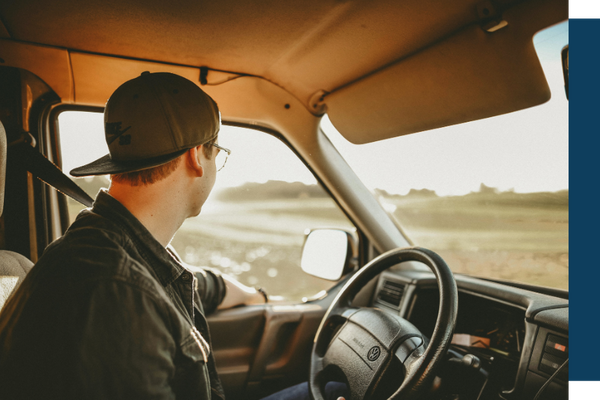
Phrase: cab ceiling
(305,47)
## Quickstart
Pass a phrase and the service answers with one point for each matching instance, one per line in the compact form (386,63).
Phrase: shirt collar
(157,258)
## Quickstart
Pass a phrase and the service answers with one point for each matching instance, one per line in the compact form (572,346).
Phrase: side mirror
(328,253)
(565,67)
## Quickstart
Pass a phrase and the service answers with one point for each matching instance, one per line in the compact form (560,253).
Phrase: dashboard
(495,328)
(520,337)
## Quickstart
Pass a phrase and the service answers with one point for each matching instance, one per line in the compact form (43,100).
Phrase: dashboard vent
(391,293)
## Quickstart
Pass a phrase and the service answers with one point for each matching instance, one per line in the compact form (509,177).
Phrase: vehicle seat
(13,266)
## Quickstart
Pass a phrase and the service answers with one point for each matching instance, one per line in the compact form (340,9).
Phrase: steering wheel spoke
(410,351)
(330,326)
(372,350)
(343,313)
(410,359)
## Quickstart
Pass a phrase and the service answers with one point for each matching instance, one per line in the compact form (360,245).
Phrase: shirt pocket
(192,379)
(195,347)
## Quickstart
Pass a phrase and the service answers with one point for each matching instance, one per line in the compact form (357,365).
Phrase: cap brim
(106,165)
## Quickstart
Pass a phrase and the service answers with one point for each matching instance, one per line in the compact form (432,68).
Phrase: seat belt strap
(44,169)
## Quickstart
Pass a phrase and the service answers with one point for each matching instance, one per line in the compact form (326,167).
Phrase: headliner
(308,48)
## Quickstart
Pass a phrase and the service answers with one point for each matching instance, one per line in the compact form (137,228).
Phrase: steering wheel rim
(420,365)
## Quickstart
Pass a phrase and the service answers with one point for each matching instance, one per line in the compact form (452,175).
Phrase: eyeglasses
(221,157)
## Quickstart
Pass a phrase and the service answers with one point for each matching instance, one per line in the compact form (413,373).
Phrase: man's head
(152,120)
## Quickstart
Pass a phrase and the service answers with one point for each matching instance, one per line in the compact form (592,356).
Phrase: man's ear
(194,160)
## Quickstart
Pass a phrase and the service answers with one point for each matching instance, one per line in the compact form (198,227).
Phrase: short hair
(151,175)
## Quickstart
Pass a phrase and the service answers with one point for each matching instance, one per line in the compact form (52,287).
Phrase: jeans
(333,390)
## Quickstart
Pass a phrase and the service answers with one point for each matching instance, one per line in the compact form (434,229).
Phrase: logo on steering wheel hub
(374,353)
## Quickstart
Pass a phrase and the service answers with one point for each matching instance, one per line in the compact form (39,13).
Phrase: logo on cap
(114,132)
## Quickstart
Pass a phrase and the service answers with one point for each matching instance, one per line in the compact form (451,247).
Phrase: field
(508,236)
(259,242)
(257,235)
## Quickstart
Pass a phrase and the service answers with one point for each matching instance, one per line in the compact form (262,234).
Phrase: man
(109,311)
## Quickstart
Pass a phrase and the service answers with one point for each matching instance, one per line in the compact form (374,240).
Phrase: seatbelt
(45,170)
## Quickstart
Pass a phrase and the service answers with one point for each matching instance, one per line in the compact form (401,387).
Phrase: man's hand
(239,294)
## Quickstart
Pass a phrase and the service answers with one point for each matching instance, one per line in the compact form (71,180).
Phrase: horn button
(363,345)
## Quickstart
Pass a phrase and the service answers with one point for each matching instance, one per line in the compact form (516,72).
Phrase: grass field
(508,236)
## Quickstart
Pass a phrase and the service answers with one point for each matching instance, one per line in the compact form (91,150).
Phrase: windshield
(490,196)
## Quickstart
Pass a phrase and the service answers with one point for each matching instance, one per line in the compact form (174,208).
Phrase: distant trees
(271,190)
(280,190)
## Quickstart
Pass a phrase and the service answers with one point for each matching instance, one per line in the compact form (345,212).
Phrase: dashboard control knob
(469,360)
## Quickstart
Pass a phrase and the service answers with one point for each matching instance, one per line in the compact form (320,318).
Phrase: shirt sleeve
(211,288)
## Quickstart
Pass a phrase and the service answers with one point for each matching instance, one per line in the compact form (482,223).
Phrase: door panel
(236,334)
(261,349)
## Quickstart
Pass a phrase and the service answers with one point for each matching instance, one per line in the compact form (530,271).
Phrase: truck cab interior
(315,99)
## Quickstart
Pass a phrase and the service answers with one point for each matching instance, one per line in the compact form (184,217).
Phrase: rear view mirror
(565,67)
(328,253)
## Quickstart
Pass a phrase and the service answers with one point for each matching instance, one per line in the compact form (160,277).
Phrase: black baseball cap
(151,120)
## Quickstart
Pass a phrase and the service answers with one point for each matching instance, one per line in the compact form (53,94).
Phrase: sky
(525,151)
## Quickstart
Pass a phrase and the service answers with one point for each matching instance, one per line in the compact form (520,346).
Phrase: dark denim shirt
(109,313)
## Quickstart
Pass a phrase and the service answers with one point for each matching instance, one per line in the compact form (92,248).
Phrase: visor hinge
(490,16)
(317,104)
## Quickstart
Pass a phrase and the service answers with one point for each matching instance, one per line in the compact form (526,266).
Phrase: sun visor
(470,75)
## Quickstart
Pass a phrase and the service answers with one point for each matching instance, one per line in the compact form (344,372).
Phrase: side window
(82,141)
(253,225)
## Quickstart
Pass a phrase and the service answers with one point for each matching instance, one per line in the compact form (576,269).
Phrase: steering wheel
(373,351)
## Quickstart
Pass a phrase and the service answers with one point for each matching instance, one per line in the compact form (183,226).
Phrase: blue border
(584,202)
